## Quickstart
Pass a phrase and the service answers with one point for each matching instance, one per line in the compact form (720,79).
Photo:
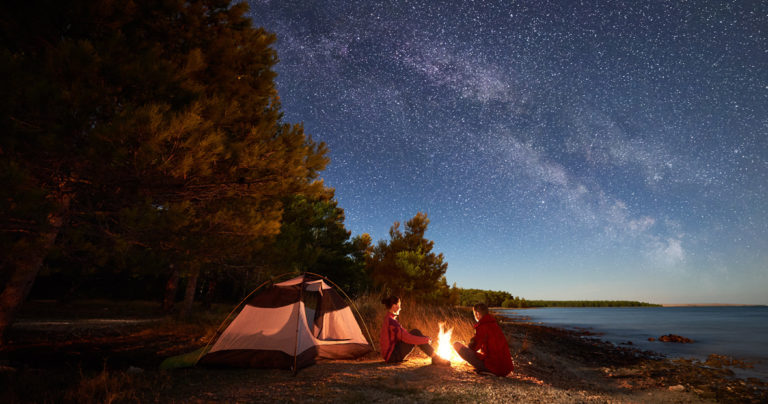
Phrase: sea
(740,332)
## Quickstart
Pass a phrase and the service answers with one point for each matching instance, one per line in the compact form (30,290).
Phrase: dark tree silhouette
(153,124)
(406,263)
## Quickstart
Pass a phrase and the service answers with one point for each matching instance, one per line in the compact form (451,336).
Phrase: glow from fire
(444,347)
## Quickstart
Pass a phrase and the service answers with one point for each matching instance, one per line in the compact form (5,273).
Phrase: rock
(134,370)
(678,387)
(7,369)
(675,338)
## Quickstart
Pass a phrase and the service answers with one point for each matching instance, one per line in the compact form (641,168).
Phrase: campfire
(445,347)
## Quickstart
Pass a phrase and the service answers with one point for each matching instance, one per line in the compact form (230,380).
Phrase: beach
(738,332)
(119,363)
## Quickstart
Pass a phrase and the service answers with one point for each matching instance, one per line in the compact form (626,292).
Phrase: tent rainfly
(290,326)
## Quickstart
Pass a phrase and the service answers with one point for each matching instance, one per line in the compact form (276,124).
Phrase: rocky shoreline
(629,367)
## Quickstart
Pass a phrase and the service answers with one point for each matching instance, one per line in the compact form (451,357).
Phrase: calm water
(738,332)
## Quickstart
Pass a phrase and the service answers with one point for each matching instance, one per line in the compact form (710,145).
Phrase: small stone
(134,370)
(7,369)
(678,387)
(675,338)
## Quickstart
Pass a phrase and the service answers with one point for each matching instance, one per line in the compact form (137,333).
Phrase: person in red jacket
(395,342)
(488,350)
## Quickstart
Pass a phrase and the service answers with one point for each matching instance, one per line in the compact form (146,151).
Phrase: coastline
(711,379)
(734,331)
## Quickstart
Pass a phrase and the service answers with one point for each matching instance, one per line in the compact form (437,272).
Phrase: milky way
(562,149)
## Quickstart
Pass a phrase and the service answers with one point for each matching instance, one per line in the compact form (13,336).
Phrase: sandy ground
(412,381)
(91,362)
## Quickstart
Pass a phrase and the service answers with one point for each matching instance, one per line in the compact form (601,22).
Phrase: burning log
(445,348)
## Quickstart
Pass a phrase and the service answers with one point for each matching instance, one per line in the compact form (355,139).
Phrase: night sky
(561,149)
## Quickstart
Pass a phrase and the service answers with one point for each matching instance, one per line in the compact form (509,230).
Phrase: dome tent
(289,326)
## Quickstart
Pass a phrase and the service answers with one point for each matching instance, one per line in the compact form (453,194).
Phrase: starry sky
(562,149)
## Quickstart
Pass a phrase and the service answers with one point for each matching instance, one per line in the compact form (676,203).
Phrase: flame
(444,347)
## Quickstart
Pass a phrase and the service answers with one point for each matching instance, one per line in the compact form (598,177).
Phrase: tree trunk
(189,294)
(169,300)
(210,291)
(27,265)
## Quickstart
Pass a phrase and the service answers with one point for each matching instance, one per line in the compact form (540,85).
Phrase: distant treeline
(470,297)
(493,298)
(588,303)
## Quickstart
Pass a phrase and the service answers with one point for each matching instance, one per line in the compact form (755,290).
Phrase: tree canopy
(313,238)
(406,263)
(150,124)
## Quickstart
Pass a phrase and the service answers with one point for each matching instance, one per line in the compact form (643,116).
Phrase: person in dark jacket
(488,350)
(395,342)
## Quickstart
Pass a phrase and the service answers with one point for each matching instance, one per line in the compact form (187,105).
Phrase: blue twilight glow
(562,149)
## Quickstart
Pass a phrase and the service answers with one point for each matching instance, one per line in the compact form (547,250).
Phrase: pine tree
(313,238)
(155,124)
(406,264)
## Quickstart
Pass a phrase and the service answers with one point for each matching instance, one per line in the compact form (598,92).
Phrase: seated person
(488,350)
(396,342)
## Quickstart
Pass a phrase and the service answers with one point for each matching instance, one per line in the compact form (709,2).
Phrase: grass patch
(85,387)
(105,387)
(426,318)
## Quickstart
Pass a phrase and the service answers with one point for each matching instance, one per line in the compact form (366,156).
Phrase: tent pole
(298,321)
